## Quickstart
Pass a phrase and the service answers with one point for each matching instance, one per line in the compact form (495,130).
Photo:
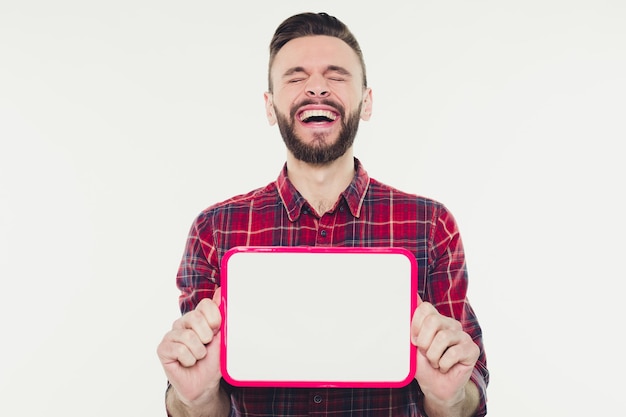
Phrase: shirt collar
(353,195)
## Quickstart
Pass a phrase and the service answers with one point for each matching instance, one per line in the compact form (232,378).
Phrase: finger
(422,312)
(466,352)
(441,343)
(183,346)
(204,320)
(431,340)
(213,313)
(426,316)
(434,333)
(217,296)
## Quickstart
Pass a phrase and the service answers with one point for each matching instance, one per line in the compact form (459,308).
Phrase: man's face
(318,97)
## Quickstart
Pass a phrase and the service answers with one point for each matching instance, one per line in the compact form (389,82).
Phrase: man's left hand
(446,356)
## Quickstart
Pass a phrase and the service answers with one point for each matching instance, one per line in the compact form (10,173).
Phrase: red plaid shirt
(367,214)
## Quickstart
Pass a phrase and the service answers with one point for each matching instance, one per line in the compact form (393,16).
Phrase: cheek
(284,100)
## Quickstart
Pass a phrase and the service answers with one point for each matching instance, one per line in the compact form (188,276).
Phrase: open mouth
(317,116)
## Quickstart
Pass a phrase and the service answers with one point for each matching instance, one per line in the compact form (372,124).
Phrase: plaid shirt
(367,214)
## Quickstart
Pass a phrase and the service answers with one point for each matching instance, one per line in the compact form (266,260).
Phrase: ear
(269,108)
(366,108)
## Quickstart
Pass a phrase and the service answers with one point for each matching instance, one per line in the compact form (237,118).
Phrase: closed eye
(294,75)
(337,73)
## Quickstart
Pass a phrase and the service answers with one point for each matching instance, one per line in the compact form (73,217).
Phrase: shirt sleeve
(198,274)
(446,288)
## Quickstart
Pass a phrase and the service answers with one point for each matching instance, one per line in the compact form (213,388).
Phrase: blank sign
(318,317)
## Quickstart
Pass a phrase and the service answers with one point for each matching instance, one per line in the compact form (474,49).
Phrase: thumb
(217,296)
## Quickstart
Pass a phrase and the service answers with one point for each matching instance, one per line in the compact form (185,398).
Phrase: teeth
(317,113)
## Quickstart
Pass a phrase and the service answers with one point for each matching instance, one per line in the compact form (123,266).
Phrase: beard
(319,151)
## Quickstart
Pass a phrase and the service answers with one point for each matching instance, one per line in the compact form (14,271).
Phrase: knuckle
(185,358)
(432,320)
(192,319)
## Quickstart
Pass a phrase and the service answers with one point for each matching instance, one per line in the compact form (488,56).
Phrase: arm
(452,371)
(190,355)
(190,352)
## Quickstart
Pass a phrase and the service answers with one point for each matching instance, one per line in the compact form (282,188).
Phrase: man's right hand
(190,354)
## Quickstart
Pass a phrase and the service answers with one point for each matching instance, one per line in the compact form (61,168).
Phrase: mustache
(326,102)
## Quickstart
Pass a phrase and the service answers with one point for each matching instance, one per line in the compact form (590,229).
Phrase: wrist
(449,407)
(463,403)
(206,405)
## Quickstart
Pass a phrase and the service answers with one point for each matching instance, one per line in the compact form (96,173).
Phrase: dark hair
(311,24)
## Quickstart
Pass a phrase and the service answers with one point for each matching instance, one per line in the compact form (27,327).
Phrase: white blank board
(318,317)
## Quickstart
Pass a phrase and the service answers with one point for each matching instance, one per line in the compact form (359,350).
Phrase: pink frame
(308,383)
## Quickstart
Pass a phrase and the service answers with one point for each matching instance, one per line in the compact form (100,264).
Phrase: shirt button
(323,233)
(317,399)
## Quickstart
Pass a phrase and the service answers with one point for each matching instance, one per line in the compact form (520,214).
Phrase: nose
(317,86)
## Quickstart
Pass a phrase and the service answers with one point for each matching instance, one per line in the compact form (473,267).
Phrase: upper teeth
(317,113)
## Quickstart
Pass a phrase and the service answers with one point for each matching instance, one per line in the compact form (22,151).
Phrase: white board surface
(308,316)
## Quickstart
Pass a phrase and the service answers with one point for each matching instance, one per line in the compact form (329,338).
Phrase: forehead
(312,52)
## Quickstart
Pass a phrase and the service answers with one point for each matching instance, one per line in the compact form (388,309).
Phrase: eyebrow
(330,68)
(340,70)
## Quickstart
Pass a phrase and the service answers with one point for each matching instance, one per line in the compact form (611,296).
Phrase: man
(323,197)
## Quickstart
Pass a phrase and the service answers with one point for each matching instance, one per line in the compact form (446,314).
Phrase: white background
(121,120)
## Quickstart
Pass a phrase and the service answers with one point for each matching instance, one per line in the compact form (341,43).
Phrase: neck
(321,185)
